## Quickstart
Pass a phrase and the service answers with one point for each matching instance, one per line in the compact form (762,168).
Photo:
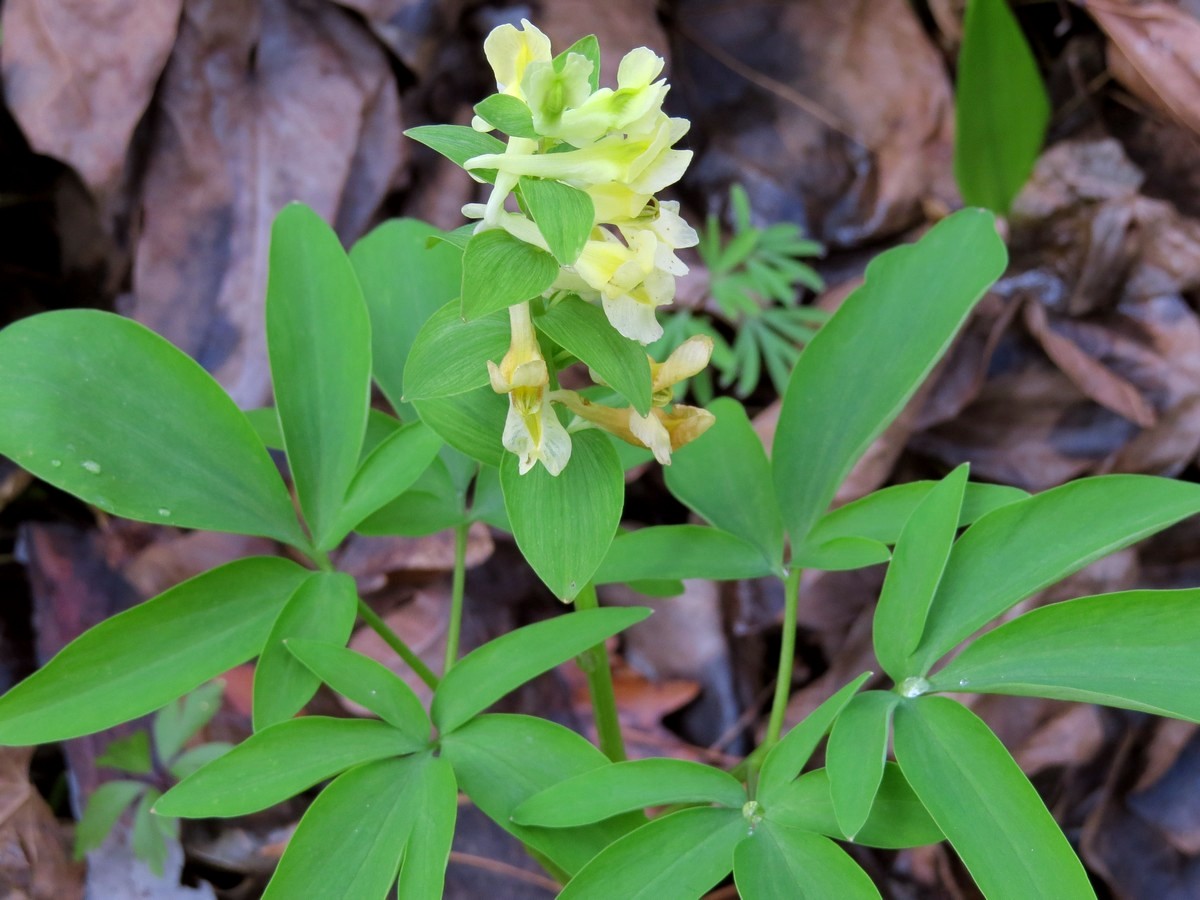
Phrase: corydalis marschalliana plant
(615,149)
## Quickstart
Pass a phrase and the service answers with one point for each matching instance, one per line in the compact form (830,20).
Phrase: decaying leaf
(79,75)
(260,104)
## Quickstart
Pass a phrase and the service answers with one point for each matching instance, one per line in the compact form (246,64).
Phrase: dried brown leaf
(79,75)
(1154,51)
(261,104)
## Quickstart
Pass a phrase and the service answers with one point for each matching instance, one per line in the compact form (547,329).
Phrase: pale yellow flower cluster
(618,147)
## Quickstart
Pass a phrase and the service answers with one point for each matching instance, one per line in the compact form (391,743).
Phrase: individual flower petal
(685,423)
(686,360)
(651,433)
(532,432)
(633,318)
(509,51)
(550,91)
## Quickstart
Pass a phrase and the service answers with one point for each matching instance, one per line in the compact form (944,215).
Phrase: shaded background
(145,148)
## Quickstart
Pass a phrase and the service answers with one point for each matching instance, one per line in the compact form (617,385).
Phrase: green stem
(787,655)
(396,642)
(594,663)
(456,595)
(320,558)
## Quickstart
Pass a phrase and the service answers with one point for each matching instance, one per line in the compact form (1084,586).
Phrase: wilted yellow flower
(662,431)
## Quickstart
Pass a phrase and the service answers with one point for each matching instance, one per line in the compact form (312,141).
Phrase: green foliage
(173,726)
(565,524)
(499,270)
(1001,108)
(757,277)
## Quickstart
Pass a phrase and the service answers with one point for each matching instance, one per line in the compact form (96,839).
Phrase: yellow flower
(645,163)
(661,431)
(532,431)
(510,51)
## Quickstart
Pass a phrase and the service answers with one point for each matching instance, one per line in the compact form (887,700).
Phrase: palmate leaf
(106,410)
(1021,548)
(987,808)
(781,863)
(1135,649)
(626,786)
(489,672)
(351,840)
(280,762)
(319,343)
(854,377)
(856,755)
(404,282)
(502,760)
(565,523)
(680,855)
(136,662)
(680,551)
(324,607)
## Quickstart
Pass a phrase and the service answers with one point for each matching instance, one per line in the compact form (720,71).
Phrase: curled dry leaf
(34,860)
(835,115)
(1154,50)
(1105,374)
(261,104)
(79,76)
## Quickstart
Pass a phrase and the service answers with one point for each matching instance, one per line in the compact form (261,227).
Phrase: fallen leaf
(260,104)
(1154,51)
(834,115)
(79,75)
(35,863)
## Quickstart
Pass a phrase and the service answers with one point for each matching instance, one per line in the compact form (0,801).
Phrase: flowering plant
(467,351)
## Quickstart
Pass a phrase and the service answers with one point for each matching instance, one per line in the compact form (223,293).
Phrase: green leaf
(432,504)
(1000,107)
(279,762)
(487,500)
(1135,649)
(913,576)
(588,47)
(789,756)
(781,863)
(404,282)
(582,329)
(324,607)
(508,114)
(350,841)
(564,215)
(725,477)
(841,554)
(625,786)
(128,754)
(450,356)
(505,663)
(434,810)
(855,376)
(987,808)
(564,523)
(388,472)
(471,423)
(680,855)
(855,756)
(502,760)
(881,515)
(136,662)
(500,270)
(458,143)
(319,342)
(1021,548)
(104,808)
(149,838)
(368,683)
(179,720)
(107,410)
(680,551)
(191,760)
(897,819)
